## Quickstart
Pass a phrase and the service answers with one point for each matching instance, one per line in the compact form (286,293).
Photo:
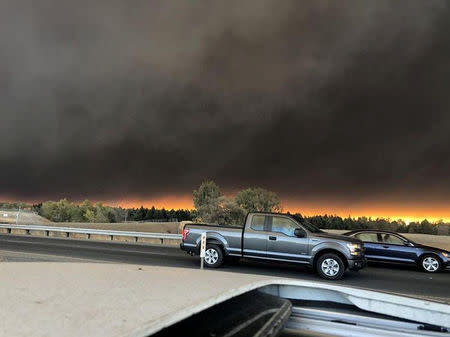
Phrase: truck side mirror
(300,233)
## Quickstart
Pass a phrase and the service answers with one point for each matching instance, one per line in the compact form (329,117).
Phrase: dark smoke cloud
(115,99)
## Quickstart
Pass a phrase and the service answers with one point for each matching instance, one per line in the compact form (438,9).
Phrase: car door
(282,243)
(256,237)
(395,249)
(373,248)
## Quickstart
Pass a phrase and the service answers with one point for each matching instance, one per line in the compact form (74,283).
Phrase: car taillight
(185,233)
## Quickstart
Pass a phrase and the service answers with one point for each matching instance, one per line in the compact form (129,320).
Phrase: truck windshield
(311,227)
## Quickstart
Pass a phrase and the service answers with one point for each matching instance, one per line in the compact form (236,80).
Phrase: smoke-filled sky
(338,106)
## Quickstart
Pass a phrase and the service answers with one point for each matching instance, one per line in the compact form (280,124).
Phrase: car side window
(391,239)
(367,237)
(258,222)
(283,225)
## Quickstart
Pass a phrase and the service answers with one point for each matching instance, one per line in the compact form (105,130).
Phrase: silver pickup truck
(277,237)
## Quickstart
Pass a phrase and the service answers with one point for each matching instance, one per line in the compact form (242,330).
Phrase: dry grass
(25,218)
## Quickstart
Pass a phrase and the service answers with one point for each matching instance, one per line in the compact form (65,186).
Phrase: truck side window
(258,222)
(283,225)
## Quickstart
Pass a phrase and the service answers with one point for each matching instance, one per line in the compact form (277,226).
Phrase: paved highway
(399,280)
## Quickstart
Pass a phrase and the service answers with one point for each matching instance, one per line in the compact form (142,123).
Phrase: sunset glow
(407,212)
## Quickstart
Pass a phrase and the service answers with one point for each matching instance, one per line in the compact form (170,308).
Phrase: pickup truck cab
(277,237)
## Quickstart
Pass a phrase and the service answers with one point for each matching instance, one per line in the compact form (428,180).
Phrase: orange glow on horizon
(394,210)
(169,202)
(388,210)
(408,212)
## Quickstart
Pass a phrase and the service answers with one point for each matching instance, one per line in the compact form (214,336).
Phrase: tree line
(65,211)
(337,222)
(212,206)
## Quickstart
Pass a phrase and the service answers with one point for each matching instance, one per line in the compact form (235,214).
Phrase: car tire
(213,256)
(430,263)
(330,266)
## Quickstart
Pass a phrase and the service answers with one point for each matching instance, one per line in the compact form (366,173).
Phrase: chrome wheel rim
(330,267)
(211,256)
(430,264)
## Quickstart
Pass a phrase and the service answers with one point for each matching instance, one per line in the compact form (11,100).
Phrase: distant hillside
(25,218)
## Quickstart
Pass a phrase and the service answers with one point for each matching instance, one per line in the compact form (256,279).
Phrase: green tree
(206,201)
(212,206)
(207,194)
(258,200)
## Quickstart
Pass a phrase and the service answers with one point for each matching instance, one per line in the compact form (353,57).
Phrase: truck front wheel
(213,256)
(330,266)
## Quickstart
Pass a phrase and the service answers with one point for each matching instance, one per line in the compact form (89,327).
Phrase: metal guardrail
(88,232)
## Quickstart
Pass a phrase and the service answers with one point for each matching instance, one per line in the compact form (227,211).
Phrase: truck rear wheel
(330,266)
(213,256)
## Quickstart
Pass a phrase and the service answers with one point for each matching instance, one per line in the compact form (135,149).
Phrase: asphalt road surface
(393,279)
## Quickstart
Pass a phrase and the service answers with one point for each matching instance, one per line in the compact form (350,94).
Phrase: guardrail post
(27,231)
(112,237)
(47,233)
(88,236)
(9,230)
(67,235)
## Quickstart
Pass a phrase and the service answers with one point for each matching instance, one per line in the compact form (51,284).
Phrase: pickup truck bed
(228,236)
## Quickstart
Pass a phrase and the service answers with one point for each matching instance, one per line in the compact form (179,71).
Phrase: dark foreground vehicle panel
(250,314)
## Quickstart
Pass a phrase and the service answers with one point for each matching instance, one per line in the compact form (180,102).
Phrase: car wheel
(330,266)
(213,256)
(430,263)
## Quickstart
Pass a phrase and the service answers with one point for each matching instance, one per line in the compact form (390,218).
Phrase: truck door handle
(273,238)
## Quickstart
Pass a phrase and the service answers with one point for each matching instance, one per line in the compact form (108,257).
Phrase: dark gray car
(391,247)
(277,237)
